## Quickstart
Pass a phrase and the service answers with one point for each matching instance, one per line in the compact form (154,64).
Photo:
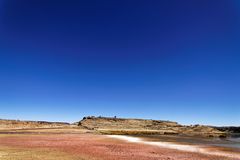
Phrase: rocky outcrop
(113,125)
(201,130)
(229,129)
(121,123)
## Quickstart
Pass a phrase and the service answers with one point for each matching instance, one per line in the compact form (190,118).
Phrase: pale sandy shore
(181,147)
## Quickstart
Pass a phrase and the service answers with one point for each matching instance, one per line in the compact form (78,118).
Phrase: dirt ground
(85,146)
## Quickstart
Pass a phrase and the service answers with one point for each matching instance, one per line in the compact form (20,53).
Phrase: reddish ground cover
(100,147)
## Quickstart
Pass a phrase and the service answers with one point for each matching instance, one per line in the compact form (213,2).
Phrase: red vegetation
(100,147)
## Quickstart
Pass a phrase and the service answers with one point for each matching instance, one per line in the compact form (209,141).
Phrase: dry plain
(80,144)
(89,140)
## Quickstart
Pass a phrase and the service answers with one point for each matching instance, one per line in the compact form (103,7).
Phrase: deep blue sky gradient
(157,59)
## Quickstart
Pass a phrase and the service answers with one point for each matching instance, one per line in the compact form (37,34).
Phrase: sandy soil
(95,147)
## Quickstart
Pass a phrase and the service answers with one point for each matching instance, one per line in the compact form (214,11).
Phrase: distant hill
(17,124)
(126,126)
(113,125)
(232,130)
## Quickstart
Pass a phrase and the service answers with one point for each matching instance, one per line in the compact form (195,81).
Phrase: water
(230,143)
(216,147)
(234,139)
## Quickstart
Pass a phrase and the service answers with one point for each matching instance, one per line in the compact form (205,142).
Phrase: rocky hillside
(17,124)
(231,130)
(113,125)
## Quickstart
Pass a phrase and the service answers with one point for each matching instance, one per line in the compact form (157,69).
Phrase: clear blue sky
(157,59)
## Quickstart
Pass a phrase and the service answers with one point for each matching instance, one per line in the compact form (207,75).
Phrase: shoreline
(181,147)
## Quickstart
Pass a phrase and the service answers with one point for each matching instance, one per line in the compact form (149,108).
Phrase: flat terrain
(89,140)
(79,144)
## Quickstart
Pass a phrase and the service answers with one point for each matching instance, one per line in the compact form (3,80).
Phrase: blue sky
(169,59)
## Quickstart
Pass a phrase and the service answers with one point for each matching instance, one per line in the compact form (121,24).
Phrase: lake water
(229,147)
(231,142)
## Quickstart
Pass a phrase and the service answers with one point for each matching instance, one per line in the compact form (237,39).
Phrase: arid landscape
(104,138)
(119,80)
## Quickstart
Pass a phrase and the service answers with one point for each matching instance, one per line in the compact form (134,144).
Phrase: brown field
(77,144)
